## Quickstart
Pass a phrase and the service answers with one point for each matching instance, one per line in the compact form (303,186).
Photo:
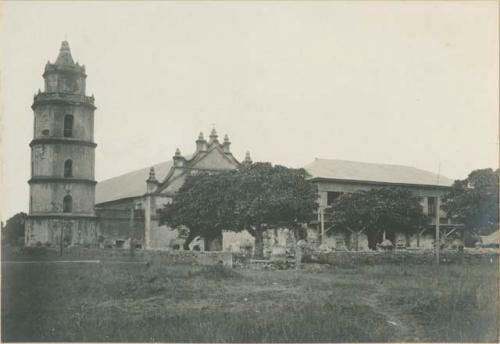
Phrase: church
(131,200)
(68,206)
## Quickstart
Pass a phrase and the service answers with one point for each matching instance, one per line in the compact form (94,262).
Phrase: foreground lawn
(136,302)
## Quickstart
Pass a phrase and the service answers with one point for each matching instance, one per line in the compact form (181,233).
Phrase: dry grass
(134,302)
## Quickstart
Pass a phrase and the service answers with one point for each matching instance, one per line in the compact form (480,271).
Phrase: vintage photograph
(249,171)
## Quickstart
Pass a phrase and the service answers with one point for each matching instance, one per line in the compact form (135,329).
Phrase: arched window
(67,204)
(68,126)
(68,168)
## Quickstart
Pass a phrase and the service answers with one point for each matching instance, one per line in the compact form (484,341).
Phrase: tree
(380,209)
(257,197)
(474,201)
(13,231)
(270,197)
(203,206)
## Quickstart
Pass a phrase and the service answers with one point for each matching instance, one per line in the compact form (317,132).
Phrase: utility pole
(438,207)
(438,242)
(322,219)
(132,244)
(61,240)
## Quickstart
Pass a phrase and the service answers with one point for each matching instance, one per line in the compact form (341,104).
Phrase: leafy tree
(380,209)
(474,201)
(257,197)
(203,206)
(272,196)
(13,230)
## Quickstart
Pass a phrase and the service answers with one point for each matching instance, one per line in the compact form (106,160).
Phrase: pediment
(214,159)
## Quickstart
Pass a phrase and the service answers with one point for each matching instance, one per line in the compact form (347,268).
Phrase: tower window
(67,204)
(68,168)
(68,126)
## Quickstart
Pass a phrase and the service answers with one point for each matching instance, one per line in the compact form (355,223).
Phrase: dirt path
(405,327)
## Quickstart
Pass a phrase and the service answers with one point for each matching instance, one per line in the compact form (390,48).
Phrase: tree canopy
(203,206)
(474,201)
(380,209)
(13,231)
(256,197)
(273,196)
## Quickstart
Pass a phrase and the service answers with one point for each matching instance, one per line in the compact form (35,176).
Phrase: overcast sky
(413,83)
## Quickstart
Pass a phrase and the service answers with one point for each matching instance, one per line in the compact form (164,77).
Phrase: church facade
(127,205)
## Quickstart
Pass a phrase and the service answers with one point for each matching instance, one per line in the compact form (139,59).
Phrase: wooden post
(132,244)
(438,242)
(61,240)
(322,218)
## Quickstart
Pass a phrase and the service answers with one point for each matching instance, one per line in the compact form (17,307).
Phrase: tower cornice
(67,216)
(47,179)
(62,140)
(63,98)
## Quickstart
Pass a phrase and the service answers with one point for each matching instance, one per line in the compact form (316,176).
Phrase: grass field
(136,302)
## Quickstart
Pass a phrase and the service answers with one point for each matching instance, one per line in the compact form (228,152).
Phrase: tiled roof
(370,172)
(131,184)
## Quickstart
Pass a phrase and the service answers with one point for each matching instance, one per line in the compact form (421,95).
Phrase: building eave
(118,200)
(370,182)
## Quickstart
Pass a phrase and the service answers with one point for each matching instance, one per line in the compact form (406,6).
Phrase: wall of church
(120,220)
(215,160)
(237,241)
(175,184)
(164,237)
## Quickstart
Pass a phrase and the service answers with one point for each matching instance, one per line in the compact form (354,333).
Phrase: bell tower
(62,184)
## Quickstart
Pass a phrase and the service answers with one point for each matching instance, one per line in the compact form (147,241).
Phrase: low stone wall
(190,257)
(404,257)
(153,256)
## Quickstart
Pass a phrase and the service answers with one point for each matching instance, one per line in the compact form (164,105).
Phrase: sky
(410,83)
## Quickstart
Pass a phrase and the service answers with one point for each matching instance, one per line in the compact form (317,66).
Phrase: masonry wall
(47,197)
(50,159)
(43,231)
(117,223)
(49,121)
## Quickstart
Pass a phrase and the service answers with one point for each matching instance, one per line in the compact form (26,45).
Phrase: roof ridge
(134,171)
(371,171)
(367,162)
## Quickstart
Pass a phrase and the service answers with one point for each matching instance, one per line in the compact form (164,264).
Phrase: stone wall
(122,255)
(46,231)
(405,257)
